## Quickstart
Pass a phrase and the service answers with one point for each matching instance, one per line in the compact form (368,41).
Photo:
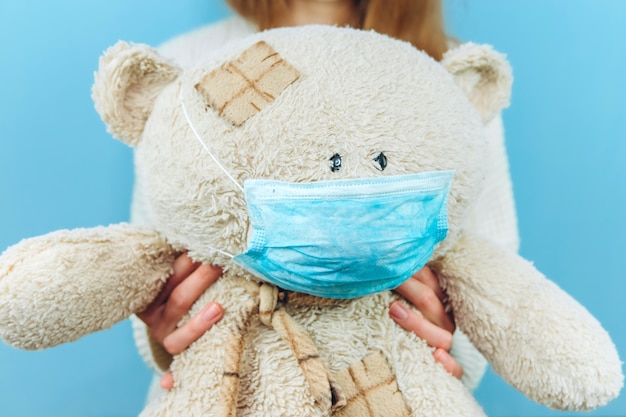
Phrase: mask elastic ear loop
(206,148)
(229,255)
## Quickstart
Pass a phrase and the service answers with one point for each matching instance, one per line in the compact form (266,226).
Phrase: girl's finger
(448,362)
(167,381)
(181,338)
(409,320)
(427,277)
(423,298)
(183,267)
(187,292)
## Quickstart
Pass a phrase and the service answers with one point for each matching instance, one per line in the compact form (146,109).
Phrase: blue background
(566,135)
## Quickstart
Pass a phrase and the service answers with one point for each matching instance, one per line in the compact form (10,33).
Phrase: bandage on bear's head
(243,87)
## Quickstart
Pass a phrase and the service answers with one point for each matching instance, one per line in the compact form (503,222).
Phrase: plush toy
(321,167)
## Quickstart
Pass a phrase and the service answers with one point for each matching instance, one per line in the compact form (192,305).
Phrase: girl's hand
(190,280)
(434,325)
(182,289)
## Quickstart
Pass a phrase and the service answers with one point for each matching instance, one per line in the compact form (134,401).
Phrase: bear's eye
(335,162)
(381,160)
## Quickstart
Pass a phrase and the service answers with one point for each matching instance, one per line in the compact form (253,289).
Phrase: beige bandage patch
(241,88)
(371,390)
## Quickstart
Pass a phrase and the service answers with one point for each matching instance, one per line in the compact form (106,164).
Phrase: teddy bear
(321,167)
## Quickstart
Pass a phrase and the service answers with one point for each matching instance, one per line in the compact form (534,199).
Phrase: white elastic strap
(231,256)
(206,148)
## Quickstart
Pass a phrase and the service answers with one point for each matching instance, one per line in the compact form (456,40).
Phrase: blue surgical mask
(345,238)
(342,238)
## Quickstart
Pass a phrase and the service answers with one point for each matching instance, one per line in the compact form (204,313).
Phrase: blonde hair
(419,22)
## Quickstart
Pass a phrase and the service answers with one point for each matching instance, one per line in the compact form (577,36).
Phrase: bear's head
(300,105)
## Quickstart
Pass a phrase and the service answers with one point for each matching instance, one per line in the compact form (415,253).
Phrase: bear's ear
(483,74)
(127,83)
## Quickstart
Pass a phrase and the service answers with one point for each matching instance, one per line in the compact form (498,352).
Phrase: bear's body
(284,105)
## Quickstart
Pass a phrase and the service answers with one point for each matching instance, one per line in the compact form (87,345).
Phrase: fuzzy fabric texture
(538,338)
(277,353)
(124,99)
(492,214)
(64,285)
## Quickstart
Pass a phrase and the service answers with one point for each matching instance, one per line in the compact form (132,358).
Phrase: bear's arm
(537,337)
(61,286)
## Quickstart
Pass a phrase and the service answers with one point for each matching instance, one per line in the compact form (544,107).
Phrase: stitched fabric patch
(371,390)
(241,88)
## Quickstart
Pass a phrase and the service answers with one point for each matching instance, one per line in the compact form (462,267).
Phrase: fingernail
(211,312)
(397,311)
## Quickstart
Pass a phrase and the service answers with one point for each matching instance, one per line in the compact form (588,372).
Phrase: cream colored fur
(61,286)
(359,94)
